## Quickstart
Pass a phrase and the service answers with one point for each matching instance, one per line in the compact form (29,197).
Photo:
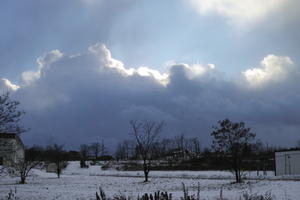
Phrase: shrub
(168,196)
(83,164)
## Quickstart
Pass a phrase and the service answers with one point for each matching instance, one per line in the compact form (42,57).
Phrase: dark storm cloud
(80,98)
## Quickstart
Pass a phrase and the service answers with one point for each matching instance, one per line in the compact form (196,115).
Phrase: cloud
(241,13)
(272,69)
(43,62)
(6,85)
(53,24)
(80,98)
(106,58)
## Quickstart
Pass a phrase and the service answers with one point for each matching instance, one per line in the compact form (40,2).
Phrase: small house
(11,149)
(287,162)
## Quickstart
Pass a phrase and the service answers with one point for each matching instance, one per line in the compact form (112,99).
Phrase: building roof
(8,135)
(12,136)
(288,150)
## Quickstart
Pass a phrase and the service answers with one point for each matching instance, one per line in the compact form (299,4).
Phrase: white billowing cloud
(6,85)
(240,13)
(196,70)
(191,70)
(43,63)
(146,71)
(106,58)
(272,69)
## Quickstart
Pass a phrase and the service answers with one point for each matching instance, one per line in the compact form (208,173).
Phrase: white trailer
(287,163)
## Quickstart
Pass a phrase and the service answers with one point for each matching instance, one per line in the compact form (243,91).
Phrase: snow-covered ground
(77,183)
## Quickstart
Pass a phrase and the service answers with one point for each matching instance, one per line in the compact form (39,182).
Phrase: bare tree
(235,141)
(182,145)
(95,149)
(56,154)
(98,149)
(121,152)
(125,150)
(23,167)
(179,141)
(84,153)
(146,135)
(298,143)
(196,145)
(10,115)
(102,149)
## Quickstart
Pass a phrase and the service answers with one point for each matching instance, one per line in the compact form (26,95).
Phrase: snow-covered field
(77,183)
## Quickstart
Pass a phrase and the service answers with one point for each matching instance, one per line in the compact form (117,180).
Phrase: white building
(287,163)
(11,149)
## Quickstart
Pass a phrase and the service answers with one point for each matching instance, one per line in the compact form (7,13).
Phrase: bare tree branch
(10,115)
(146,135)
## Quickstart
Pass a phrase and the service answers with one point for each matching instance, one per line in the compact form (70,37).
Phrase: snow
(77,183)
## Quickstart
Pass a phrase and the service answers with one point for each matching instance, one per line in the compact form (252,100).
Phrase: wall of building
(287,163)
(11,150)
(19,151)
(7,149)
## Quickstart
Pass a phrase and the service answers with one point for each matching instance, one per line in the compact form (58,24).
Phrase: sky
(82,69)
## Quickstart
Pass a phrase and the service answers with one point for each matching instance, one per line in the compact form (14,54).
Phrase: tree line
(179,146)
(234,146)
